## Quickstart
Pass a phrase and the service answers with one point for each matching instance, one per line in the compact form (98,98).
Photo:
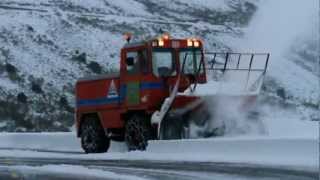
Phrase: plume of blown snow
(274,29)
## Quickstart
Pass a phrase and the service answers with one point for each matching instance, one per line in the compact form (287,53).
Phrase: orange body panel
(112,102)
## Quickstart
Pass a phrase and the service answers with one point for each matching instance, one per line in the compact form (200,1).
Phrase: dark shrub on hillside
(95,67)
(81,58)
(12,72)
(30,28)
(11,69)
(63,101)
(22,98)
(36,88)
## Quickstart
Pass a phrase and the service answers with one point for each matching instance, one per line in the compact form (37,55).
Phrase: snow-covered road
(59,155)
(281,151)
(47,168)
(60,172)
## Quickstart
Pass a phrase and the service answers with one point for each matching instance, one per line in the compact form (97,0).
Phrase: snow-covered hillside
(45,45)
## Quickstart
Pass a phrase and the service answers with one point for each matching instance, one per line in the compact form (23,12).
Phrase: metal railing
(242,62)
(227,57)
(245,62)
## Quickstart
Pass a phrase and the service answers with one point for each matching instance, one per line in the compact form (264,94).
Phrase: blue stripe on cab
(151,85)
(123,90)
(96,102)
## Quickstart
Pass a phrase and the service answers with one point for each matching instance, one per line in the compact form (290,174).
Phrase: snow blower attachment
(246,69)
(234,81)
(157,92)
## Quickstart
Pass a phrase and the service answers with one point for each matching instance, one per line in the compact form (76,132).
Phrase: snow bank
(281,123)
(300,152)
(295,152)
(48,141)
(45,141)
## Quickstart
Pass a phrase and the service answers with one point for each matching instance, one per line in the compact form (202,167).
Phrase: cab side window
(143,61)
(133,65)
(138,62)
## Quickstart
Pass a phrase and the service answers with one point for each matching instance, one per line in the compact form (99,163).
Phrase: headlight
(196,43)
(160,42)
(189,42)
(154,43)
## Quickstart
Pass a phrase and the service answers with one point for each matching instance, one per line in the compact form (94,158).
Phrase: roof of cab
(134,44)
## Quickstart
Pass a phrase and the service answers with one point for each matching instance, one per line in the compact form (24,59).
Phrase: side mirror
(130,61)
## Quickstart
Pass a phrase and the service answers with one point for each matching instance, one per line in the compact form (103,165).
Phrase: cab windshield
(190,59)
(162,63)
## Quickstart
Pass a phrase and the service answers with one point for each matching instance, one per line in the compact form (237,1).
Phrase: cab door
(135,63)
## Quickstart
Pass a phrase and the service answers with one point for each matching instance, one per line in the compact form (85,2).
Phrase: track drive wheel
(137,132)
(93,138)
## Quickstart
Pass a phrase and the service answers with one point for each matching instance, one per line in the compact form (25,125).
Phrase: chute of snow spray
(235,81)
